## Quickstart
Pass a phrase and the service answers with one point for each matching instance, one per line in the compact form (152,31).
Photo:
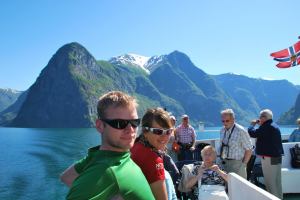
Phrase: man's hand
(254,122)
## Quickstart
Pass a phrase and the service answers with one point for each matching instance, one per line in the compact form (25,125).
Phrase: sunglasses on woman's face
(122,123)
(158,131)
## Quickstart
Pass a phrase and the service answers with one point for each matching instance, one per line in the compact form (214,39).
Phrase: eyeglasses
(262,116)
(158,131)
(122,123)
(227,120)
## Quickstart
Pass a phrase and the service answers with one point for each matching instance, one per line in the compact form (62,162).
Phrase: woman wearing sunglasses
(204,180)
(149,148)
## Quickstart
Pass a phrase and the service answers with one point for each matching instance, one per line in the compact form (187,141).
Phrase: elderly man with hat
(185,136)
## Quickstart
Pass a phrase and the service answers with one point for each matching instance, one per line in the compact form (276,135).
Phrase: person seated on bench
(295,136)
(206,179)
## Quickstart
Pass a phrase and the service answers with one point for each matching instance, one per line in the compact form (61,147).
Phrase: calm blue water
(32,159)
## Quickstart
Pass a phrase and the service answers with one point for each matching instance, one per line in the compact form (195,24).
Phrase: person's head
(265,115)
(208,154)
(185,120)
(117,121)
(227,118)
(157,127)
(298,122)
(173,120)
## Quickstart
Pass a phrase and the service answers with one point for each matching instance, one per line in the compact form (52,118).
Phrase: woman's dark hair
(158,115)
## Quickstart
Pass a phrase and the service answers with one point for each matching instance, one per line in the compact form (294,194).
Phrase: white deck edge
(241,189)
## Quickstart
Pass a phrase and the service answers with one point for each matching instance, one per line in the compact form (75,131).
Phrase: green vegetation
(67,90)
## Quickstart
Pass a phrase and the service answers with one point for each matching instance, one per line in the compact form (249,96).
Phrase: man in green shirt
(108,172)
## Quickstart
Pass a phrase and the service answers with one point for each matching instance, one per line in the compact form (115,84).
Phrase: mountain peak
(178,54)
(131,59)
(149,64)
(138,59)
(71,47)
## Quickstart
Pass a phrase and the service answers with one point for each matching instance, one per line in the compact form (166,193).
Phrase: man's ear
(99,125)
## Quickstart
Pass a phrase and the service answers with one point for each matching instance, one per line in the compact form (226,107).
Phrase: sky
(231,36)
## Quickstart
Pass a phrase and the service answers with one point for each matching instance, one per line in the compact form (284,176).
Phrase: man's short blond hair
(114,99)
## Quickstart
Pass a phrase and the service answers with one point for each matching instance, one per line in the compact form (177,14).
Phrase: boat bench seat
(290,176)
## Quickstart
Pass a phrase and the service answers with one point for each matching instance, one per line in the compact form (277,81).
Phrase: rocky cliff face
(199,95)
(67,90)
(292,115)
(56,99)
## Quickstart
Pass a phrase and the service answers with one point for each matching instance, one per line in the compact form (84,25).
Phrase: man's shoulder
(191,127)
(103,160)
(271,126)
(127,165)
(179,126)
(274,124)
(239,127)
(93,149)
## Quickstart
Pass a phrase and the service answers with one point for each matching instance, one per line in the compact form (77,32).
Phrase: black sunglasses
(227,120)
(158,131)
(122,123)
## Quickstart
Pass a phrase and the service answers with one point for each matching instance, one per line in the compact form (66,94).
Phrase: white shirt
(239,141)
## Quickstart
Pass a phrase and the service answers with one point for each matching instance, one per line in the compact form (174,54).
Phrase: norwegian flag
(288,57)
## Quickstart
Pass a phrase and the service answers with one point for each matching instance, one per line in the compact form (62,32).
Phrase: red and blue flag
(289,57)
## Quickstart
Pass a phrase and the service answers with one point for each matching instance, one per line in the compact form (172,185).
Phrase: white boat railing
(239,188)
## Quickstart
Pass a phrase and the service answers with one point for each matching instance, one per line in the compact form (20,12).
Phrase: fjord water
(32,159)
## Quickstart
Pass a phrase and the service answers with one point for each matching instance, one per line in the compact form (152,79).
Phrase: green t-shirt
(104,174)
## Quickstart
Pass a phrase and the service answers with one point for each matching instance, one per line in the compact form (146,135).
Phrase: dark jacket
(268,141)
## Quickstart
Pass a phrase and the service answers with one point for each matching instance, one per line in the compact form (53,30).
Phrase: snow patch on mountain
(9,90)
(131,59)
(232,73)
(151,65)
(267,78)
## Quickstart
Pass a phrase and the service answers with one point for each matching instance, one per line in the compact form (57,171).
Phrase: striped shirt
(239,141)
